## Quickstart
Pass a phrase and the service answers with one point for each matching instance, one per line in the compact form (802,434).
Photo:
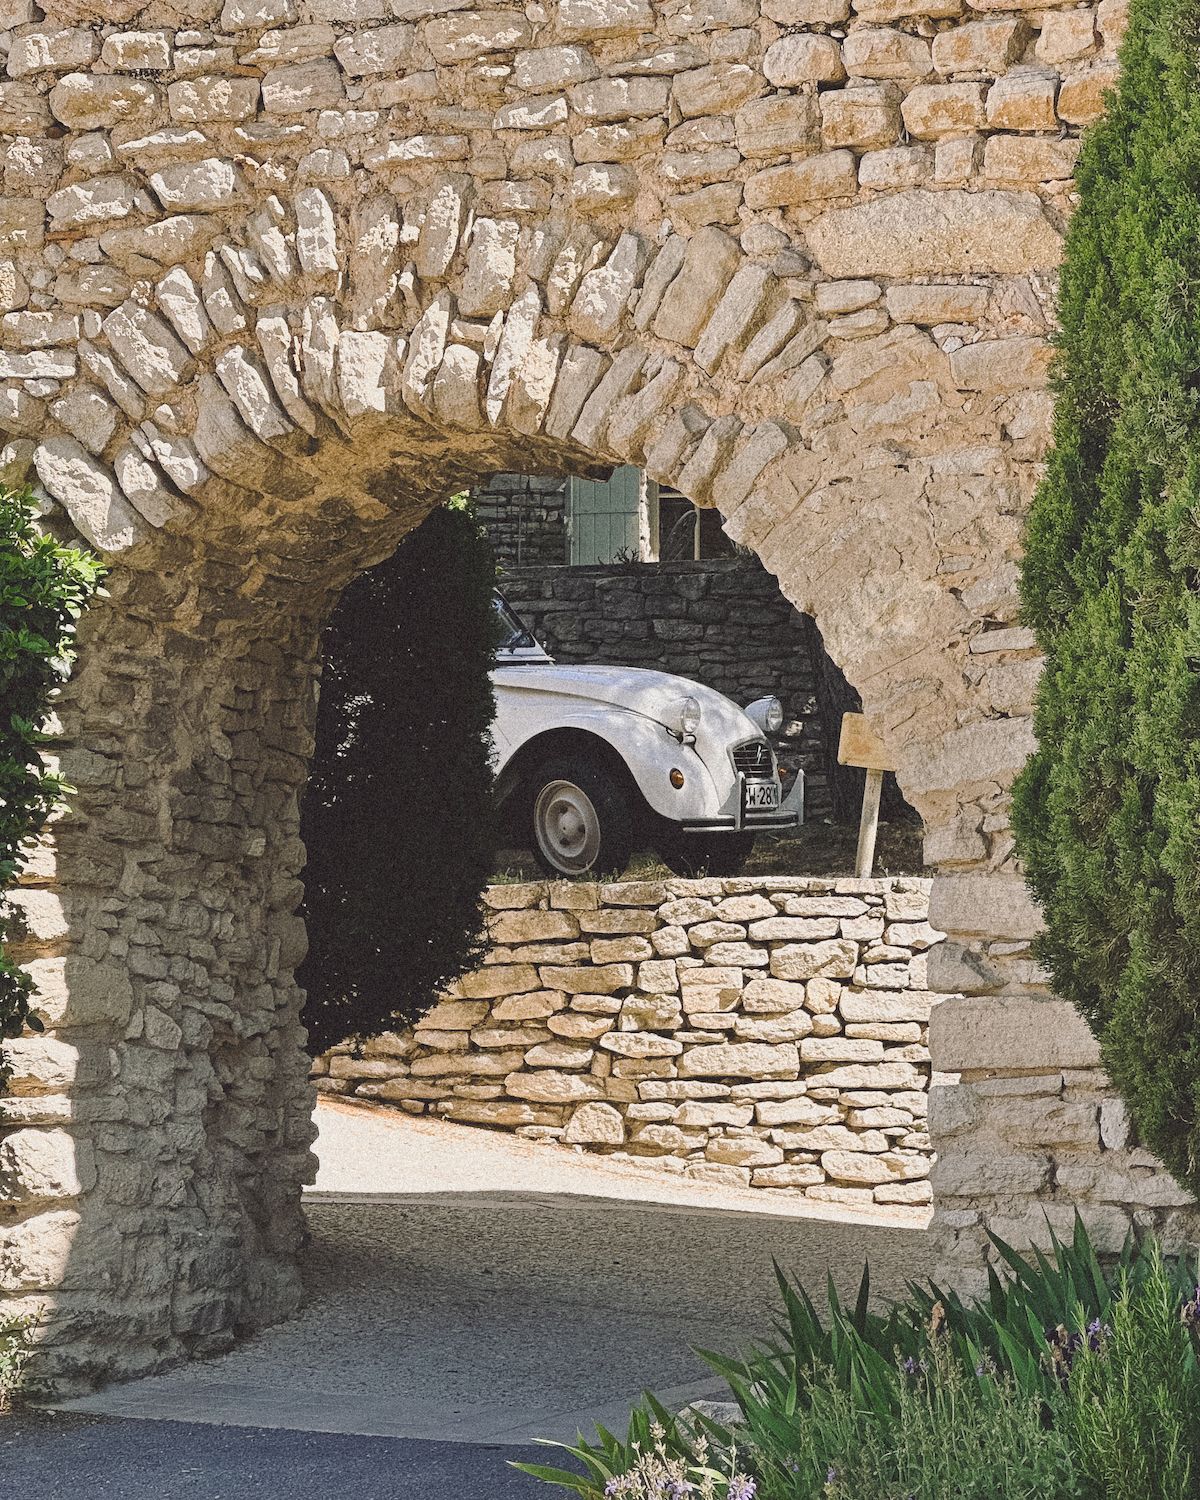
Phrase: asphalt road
(60,1457)
(450,1325)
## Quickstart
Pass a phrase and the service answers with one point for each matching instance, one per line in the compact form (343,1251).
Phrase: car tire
(581,821)
(694,855)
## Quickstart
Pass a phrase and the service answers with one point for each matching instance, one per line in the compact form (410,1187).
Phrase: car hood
(639,691)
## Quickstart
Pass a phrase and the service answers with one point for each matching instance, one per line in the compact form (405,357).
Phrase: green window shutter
(605,517)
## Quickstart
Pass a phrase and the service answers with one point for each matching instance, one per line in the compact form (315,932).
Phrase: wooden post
(861,746)
(868,825)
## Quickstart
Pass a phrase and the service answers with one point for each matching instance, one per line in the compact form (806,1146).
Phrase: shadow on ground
(487,1319)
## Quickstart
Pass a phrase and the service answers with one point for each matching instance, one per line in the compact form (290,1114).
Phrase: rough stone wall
(276,276)
(525,516)
(1027,1128)
(765,1033)
(152,1139)
(723,623)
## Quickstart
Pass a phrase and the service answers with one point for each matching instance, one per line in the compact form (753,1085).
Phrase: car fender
(647,750)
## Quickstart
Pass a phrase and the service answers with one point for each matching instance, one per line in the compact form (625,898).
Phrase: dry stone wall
(276,277)
(766,1033)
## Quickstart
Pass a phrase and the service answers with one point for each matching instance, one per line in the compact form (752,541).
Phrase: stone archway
(281,281)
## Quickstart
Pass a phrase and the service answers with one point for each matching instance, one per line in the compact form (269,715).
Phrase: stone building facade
(766,1033)
(525,517)
(723,623)
(276,276)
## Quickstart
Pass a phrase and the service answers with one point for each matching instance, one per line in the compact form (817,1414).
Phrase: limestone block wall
(1028,1130)
(767,1033)
(722,622)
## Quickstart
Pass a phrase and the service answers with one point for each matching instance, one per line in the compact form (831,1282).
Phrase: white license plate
(761,796)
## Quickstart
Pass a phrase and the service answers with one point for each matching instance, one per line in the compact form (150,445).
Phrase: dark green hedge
(44,588)
(1108,812)
(397,819)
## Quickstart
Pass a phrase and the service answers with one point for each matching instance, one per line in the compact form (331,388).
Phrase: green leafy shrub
(1061,1384)
(44,588)
(1107,813)
(1009,1330)
(16,1346)
(397,819)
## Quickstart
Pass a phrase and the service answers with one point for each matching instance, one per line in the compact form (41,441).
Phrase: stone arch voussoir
(281,368)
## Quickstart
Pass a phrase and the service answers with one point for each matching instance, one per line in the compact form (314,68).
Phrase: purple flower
(831,1475)
(613,1485)
(1064,1345)
(740,1488)
(679,1488)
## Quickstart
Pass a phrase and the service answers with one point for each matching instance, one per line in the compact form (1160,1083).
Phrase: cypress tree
(1108,811)
(397,818)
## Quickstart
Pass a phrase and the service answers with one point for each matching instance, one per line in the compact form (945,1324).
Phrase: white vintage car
(594,761)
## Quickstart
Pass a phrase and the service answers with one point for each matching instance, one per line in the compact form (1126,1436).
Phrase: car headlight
(683,718)
(766,714)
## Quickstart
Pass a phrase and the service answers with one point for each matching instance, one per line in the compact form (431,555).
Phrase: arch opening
(186,1119)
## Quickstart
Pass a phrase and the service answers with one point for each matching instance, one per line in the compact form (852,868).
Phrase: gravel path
(489,1291)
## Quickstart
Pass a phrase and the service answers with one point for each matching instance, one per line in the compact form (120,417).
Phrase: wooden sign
(861,746)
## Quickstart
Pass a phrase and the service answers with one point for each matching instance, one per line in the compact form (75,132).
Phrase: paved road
(104,1458)
(456,1326)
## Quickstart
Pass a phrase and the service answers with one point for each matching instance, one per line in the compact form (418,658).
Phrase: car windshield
(511,634)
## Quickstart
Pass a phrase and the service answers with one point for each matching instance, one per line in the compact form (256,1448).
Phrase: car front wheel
(706,854)
(582,820)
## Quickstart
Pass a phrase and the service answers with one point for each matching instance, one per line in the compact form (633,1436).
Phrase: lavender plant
(1130,1394)
(660,1460)
(970,1434)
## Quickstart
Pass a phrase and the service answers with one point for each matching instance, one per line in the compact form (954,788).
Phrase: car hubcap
(566,827)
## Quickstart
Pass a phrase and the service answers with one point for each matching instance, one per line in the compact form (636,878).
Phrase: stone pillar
(1027,1128)
(157,1134)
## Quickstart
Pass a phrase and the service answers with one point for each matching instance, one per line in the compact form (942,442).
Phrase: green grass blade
(564,1478)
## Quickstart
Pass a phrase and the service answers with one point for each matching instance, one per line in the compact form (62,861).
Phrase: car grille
(755,760)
